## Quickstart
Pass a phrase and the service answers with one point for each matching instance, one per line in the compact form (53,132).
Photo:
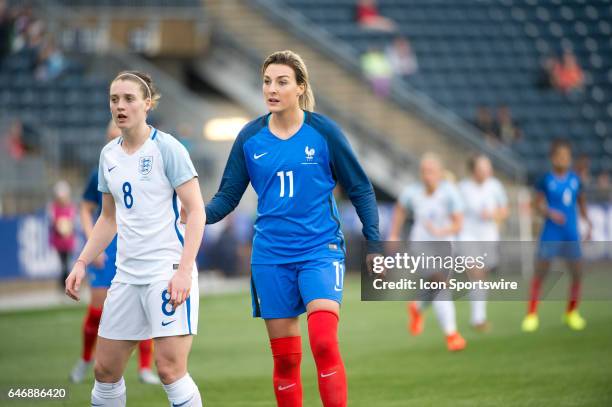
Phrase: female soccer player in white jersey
(486,206)
(437,212)
(145,177)
(293,158)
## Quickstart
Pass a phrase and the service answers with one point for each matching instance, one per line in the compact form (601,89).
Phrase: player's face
(482,169)
(562,159)
(431,173)
(280,89)
(127,103)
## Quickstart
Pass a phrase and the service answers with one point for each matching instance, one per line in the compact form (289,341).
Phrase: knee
(323,346)
(105,373)
(168,370)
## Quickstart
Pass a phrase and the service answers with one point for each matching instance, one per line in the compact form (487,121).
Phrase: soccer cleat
(574,320)
(147,376)
(482,327)
(80,370)
(530,323)
(455,342)
(417,321)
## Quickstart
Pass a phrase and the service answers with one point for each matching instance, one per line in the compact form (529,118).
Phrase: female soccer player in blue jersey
(294,158)
(560,199)
(145,177)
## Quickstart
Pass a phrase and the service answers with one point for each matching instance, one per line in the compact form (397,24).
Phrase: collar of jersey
(292,136)
(152,135)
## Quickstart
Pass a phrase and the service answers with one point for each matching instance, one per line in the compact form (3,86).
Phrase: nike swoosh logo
(281,388)
(258,156)
(329,374)
(164,323)
(182,404)
(112,168)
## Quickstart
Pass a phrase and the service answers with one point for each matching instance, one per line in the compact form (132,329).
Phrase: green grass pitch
(231,361)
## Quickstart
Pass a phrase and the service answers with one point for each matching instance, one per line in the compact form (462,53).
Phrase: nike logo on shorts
(164,323)
(112,168)
(258,156)
(328,374)
(281,388)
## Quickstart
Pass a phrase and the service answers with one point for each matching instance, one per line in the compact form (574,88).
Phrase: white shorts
(137,312)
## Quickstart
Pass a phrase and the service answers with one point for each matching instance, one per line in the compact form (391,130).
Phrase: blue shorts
(283,290)
(559,241)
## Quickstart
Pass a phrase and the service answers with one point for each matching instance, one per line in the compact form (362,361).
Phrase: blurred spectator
(485,122)
(51,62)
(507,130)
(377,70)
(567,75)
(14,141)
(603,181)
(62,213)
(545,76)
(583,169)
(401,57)
(368,17)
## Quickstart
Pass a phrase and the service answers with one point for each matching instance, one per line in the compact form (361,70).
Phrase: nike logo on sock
(281,388)
(328,374)
(182,404)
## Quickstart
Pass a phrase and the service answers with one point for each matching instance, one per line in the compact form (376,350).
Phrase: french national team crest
(145,165)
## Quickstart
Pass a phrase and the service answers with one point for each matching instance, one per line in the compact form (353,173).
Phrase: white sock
(183,393)
(109,394)
(479,306)
(444,308)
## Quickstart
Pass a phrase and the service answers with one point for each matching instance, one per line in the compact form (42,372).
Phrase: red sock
(287,353)
(145,353)
(90,331)
(323,334)
(536,284)
(574,295)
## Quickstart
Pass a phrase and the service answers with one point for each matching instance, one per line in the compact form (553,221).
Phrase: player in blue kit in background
(101,273)
(294,158)
(559,197)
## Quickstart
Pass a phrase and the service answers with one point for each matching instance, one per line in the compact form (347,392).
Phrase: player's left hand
(179,287)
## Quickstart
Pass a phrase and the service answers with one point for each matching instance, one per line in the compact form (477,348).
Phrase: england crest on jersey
(145,164)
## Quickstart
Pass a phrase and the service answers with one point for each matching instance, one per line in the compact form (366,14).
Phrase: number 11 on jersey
(281,175)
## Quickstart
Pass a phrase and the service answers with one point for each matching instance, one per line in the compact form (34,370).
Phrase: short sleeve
(177,163)
(455,203)
(102,185)
(406,198)
(90,194)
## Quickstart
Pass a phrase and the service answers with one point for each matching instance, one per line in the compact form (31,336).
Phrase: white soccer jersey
(477,198)
(436,209)
(150,235)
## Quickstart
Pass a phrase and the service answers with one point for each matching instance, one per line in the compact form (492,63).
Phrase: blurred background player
(62,214)
(436,209)
(101,273)
(145,177)
(293,157)
(485,207)
(559,197)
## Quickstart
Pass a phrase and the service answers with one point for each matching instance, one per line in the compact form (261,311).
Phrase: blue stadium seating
(474,53)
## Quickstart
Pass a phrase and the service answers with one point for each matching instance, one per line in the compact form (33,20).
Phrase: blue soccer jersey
(297,217)
(561,194)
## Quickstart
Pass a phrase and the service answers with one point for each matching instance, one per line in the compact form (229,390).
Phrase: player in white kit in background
(436,210)
(147,178)
(486,207)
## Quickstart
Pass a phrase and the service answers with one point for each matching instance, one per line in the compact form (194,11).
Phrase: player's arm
(234,182)
(397,221)
(86,211)
(102,234)
(191,200)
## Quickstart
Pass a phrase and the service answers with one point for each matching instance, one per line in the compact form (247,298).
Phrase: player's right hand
(556,216)
(73,282)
